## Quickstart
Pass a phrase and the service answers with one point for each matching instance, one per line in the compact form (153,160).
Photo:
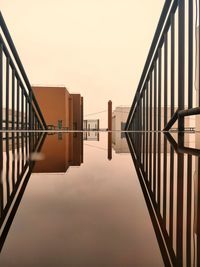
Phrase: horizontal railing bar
(182,149)
(189,112)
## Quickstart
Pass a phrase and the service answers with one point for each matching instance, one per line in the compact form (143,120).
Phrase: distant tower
(109,129)
(109,115)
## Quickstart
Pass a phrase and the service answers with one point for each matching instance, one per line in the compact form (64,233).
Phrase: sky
(96,48)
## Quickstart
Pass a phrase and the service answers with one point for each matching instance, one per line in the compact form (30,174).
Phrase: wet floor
(99,199)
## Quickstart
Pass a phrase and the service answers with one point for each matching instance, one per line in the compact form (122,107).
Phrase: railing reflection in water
(16,164)
(169,174)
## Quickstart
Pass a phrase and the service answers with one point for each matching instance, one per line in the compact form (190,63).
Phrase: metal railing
(167,82)
(17,100)
(16,166)
(168,172)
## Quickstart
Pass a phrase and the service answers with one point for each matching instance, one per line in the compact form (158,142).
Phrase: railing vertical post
(165,78)
(13,99)
(181,61)
(171,197)
(172,63)
(189,209)
(22,109)
(1,127)
(7,91)
(18,92)
(179,225)
(143,127)
(147,106)
(147,124)
(150,108)
(199,57)
(150,137)
(159,88)
(190,54)
(155,95)
(30,110)
(1,86)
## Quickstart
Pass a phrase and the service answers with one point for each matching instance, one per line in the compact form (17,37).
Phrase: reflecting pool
(99,199)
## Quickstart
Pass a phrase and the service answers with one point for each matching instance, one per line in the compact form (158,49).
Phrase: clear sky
(94,47)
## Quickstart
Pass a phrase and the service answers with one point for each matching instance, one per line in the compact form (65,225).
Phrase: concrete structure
(119,118)
(61,110)
(119,143)
(67,151)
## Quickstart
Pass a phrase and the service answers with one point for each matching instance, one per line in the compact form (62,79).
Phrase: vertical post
(109,145)
(18,91)
(7,92)
(159,88)
(199,59)
(155,95)
(190,54)
(165,78)
(13,99)
(109,115)
(172,63)
(22,109)
(189,208)
(198,213)
(147,125)
(1,127)
(180,183)
(30,110)
(143,161)
(171,193)
(150,137)
(1,86)
(181,61)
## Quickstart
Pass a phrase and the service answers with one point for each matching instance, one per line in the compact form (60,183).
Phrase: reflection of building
(91,128)
(119,143)
(91,136)
(119,118)
(60,109)
(60,152)
(89,125)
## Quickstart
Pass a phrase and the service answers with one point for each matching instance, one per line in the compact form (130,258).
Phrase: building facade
(61,110)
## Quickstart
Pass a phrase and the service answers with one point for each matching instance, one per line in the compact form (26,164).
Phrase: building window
(59,124)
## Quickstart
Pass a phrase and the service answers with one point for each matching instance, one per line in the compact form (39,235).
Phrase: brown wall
(57,104)
(53,102)
(77,112)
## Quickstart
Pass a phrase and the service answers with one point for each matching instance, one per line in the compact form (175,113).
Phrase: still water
(99,199)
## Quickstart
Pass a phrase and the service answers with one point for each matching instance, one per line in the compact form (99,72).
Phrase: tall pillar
(109,115)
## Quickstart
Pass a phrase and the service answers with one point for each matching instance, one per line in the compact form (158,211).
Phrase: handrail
(20,66)
(152,51)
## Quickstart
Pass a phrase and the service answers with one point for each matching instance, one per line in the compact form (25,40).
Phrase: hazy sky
(94,47)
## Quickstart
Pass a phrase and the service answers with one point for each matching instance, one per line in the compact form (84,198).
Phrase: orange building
(61,110)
